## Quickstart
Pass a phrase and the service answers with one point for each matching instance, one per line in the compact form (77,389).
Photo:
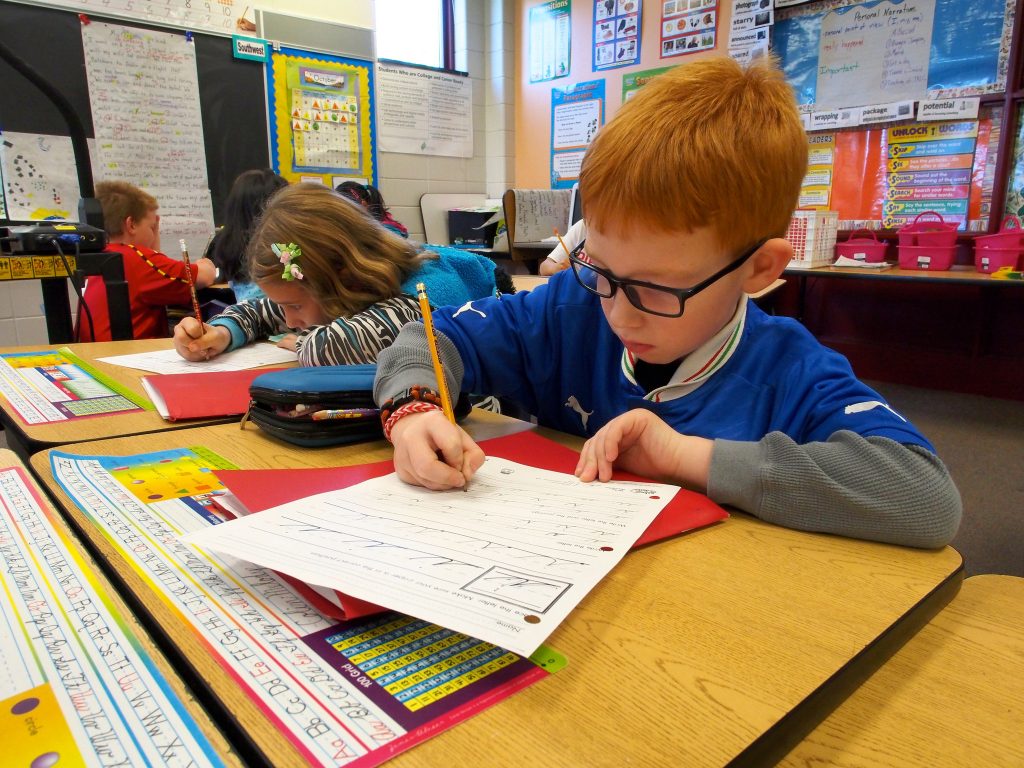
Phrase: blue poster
(576,114)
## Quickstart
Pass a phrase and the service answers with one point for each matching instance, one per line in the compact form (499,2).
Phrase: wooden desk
(527,282)
(959,275)
(953,695)
(58,592)
(727,644)
(26,439)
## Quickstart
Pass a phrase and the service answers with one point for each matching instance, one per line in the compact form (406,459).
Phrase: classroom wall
(357,13)
(21,312)
(487,50)
(532,148)
(488,55)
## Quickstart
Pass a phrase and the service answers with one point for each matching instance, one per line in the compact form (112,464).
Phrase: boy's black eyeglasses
(647,297)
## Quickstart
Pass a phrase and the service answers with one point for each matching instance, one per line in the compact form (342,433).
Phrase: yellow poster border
(282,156)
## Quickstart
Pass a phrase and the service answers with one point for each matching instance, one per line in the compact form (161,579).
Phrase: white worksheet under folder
(504,562)
(169,361)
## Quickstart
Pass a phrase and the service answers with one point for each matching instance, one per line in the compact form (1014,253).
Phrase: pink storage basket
(939,233)
(931,258)
(929,245)
(1002,249)
(867,249)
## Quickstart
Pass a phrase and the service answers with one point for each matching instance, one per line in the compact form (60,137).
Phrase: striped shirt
(347,340)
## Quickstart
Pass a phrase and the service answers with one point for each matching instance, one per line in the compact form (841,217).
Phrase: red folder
(202,395)
(265,488)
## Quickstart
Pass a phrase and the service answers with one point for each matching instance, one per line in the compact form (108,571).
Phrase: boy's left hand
(641,443)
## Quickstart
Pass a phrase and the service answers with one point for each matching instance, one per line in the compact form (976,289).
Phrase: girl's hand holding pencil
(198,341)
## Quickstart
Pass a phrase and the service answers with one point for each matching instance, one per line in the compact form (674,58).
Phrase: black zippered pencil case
(321,406)
(326,405)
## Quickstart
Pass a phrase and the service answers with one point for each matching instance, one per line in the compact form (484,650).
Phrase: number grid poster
(321,113)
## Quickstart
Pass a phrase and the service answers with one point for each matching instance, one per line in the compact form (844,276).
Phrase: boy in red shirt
(154,279)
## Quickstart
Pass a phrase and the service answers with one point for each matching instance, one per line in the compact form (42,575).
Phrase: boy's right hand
(197,342)
(421,439)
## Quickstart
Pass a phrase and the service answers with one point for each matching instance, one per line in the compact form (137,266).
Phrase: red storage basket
(867,249)
(941,233)
(1002,249)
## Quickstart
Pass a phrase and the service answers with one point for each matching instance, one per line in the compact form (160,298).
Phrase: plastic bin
(941,233)
(1002,249)
(868,249)
(927,244)
(812,233)
(929,257)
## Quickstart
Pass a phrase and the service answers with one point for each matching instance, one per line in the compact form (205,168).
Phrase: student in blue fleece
(649,347)
(337,283)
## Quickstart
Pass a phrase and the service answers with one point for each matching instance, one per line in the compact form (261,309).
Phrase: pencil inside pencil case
(328,405)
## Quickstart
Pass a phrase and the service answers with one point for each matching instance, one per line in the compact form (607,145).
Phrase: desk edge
(775,743)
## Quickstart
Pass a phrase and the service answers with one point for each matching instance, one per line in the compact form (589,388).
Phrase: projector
(42,238)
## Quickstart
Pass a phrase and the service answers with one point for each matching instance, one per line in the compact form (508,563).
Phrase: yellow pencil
(435,357)
(564,248)
(428,324)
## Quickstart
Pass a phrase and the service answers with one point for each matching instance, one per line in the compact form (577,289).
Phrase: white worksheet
(169,361)
(504,562)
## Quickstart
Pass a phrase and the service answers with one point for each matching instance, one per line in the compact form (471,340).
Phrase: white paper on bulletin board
(40,176)
(878,52)
(424,112)
(197,15)
(144,92)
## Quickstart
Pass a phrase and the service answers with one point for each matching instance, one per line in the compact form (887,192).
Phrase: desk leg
(801,298)
(15,439)
(59,325)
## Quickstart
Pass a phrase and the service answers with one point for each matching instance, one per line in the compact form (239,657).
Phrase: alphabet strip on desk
(71,666)
(338,692)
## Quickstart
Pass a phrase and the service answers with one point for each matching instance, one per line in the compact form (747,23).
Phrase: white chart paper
(144,91)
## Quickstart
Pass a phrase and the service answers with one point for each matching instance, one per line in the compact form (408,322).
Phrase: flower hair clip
(289,256)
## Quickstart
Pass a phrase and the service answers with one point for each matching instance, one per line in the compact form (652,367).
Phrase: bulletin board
(321,109)
(874,186)
(50,40)
(886,50)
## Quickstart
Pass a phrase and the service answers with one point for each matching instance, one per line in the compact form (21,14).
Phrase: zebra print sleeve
(359,338)
(258,318)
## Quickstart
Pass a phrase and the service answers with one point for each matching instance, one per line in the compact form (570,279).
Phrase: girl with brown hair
(338,284)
